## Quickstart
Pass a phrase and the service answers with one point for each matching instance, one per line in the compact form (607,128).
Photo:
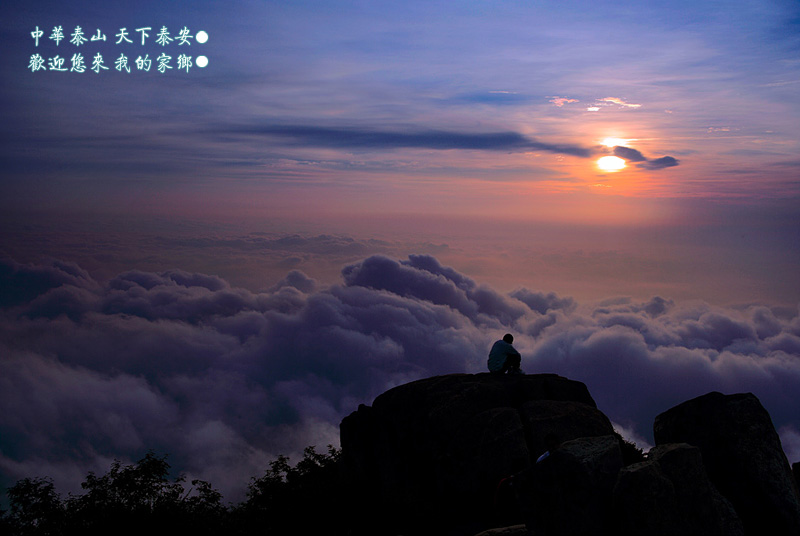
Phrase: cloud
(352,138)
(422,277)
(561,101)
(633,437)
(629,154)
(790,438)
(541,302)
(661,163)
(20,283)
(498,98)
(224,379)
(620,102)
(633,155)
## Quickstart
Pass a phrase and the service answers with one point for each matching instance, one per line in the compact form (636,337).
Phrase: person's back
(503,357)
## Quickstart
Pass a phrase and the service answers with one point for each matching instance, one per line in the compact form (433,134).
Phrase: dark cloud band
(632,155)
(343,137)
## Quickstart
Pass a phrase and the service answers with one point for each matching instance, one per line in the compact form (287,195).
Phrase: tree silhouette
(136,497)
(142,497)
(304,499)
(35,508)
(127,492)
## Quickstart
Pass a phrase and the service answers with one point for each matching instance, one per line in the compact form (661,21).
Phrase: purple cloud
(633,155)
(661,163)
(223,379)
(348,137)
(629,154)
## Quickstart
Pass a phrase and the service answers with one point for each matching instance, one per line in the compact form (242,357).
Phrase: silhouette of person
(503,357)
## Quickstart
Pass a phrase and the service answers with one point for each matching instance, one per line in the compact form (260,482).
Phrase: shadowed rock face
(796,473)
(437,448)
(569,493)
(670,493)
(742,453)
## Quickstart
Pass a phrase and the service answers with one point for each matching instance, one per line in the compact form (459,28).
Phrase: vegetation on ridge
(142,497)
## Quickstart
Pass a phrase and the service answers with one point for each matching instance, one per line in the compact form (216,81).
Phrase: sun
(611,163)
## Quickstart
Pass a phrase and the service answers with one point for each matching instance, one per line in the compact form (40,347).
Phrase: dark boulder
(670,494)
(796,473)
(570,492)
(742,453)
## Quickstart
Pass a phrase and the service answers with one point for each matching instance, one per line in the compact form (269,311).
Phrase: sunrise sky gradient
(222,263)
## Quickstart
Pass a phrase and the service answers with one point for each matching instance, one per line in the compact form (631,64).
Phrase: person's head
(509,338)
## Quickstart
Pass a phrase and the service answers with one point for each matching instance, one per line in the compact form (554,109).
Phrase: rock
(796,473)
(600,458)
(566,420)
(570,492)
(436,449)
(487,448)
(515,530)
(645,502)
(670,494)
(742,453)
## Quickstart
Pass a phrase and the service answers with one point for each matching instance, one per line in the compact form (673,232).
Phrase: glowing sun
(611,163)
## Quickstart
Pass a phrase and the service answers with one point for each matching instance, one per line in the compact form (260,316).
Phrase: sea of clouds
(223,379)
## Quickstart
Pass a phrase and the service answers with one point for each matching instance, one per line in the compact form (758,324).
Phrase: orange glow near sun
(611,163)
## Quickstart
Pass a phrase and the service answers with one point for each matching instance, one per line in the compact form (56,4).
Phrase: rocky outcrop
(427,457)
(435,449)
(670,493)
(742,453)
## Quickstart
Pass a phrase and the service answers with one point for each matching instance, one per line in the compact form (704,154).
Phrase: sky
(221,262)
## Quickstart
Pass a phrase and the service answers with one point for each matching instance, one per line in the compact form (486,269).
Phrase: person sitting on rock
(503,357)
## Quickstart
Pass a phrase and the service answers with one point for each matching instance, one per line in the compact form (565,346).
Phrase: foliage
(36,508)
(142,497)
(127,492)
(630,452)
(137,497)
(283,498)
